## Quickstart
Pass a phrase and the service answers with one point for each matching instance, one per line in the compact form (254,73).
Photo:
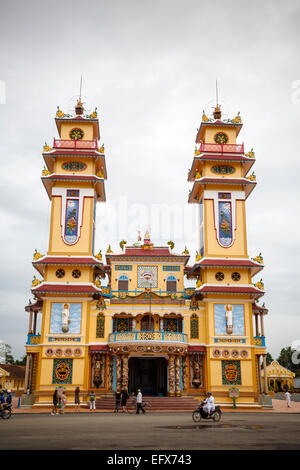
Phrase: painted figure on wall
(71,226)
(229,319)
(65,318)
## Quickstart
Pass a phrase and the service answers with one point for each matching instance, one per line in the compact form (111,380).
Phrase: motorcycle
(6,412)
(200,413)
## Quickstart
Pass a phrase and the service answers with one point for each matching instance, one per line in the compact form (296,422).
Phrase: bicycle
(131,405)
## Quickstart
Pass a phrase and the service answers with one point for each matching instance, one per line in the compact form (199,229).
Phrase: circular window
(221,138)
(76,134)
(220,276)
(74,166)
(235,276)
(60,273)
(76,273)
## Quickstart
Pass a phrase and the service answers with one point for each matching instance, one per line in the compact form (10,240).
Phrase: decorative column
(125,372)
(184,372)
(266,391)
(30,323)
(171,392)
(26,374)
(259,373)
(34,321)
(262,324)
(110,373)
(119,369)
(256,325)
(177,376)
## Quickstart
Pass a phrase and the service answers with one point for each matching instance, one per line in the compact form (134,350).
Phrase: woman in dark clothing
(118,400)
(55,403)
(77,398)
(124,398)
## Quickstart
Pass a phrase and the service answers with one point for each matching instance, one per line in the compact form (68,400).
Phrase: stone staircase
(107,403)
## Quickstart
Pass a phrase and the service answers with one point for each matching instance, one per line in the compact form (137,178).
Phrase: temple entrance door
(149,374)
(147,323)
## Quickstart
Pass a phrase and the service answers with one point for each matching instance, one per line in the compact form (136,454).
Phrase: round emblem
(76,134)
(234,353)
(60,273)
(244,354)
(76,273)
(68,352)
(221,138)
(77,352)
(217,353)
(58,352)
(226,353)
(49,352)
(220,276)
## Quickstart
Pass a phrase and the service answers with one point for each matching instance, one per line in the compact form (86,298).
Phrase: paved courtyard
(159,431)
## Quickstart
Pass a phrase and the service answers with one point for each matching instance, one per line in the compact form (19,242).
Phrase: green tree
(285,359)
(21,362)
(269,358)
(9,358)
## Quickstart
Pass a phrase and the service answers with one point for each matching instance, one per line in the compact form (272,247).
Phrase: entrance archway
(149,374)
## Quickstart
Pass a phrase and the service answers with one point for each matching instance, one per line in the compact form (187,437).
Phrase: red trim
(230,290)
(100,347)
(64,260)
(75,144)
(227,262)
(61,288)
(196,348)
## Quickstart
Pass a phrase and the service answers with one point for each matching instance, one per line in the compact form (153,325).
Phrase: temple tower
(223,268)
(73,177)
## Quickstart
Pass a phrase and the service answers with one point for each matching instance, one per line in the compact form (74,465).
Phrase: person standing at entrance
(288,398)
(139,402)
(92,401)
(55,403)
(124,398)
(77,398)
(118,400)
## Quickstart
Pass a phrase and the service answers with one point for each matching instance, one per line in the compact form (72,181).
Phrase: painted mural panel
(146,275)
(221,323)
(65,318)
(62,371)
(71,225)
(231,373)
(225,223)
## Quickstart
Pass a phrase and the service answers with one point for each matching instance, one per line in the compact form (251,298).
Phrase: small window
(171,284)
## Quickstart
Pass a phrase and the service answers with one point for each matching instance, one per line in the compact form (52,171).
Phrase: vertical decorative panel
(225,223)
(100,326)
(194,326)
(71,225)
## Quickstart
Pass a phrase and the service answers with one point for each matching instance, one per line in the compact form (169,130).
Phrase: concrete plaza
(157,431)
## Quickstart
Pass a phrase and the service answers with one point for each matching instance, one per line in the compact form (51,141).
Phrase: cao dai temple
(126,320)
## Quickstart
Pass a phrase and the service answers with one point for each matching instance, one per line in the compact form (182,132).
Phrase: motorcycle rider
(2,401)
(209,406)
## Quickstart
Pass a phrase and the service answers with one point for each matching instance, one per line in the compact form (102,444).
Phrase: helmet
(208,393)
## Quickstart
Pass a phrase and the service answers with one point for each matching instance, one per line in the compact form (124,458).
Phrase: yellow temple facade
(144,328)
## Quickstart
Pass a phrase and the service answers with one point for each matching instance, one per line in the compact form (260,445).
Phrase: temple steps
(157,403)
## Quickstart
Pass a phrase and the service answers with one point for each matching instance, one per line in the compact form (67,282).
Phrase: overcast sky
(150,68)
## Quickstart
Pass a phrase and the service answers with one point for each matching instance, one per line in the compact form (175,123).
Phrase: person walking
(124,398)
(118,400)
(139,402)
(63,402)
(9,397)
(77,398)
(288,398)
(92,401)
(55,403)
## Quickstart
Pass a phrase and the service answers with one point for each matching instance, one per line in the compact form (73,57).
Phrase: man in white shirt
(139,401)
(210,403)
(288,398)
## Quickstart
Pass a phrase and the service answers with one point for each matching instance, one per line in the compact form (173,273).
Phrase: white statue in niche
(229,319)
(65,318)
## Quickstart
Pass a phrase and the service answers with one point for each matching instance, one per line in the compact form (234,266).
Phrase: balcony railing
(128,336)
(75,144)
(33,339)
(223,148)
(260,341)
(187,293)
